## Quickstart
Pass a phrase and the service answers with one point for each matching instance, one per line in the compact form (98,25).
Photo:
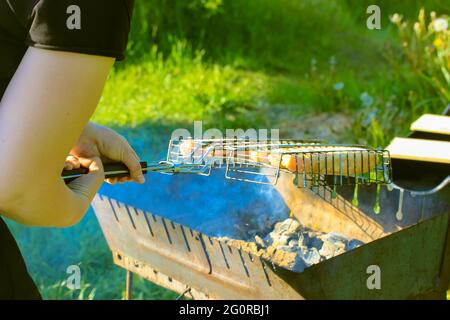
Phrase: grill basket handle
(112,170)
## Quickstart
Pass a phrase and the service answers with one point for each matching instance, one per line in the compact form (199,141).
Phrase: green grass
(48,253)
(179,89)
(236,63)
(236,59)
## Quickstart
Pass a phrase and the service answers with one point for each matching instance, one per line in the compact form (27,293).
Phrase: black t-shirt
(97,27)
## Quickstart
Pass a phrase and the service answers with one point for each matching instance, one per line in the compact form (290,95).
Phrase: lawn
(285,64)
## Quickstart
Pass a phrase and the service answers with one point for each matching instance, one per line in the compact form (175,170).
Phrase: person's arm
(45,108)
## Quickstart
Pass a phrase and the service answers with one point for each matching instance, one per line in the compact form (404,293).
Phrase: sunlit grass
(179,89)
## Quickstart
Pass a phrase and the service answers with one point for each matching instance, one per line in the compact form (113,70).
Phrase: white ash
(295,247)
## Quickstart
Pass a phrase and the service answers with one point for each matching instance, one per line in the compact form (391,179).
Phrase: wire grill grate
(312,163)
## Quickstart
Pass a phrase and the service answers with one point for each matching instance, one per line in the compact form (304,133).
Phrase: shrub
(426,47)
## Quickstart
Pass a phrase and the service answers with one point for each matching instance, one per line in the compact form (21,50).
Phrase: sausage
(347,161)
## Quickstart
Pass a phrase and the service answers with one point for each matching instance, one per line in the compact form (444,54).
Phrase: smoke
(213,205)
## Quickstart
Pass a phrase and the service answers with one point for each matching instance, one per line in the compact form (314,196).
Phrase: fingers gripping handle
(112,170)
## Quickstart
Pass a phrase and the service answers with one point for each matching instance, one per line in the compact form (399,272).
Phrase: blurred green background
(309,67)
(267,63)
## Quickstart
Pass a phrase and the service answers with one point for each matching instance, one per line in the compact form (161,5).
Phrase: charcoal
(309,239)
(311,257)
(293,243)
(295,247)
(280,241)
(286,227)
(334,245)
(288,249)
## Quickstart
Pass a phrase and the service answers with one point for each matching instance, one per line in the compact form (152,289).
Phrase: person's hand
(72,163)
(105,143)
(87,185)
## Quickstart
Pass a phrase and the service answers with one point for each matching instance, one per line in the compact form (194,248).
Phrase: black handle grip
(112,170)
